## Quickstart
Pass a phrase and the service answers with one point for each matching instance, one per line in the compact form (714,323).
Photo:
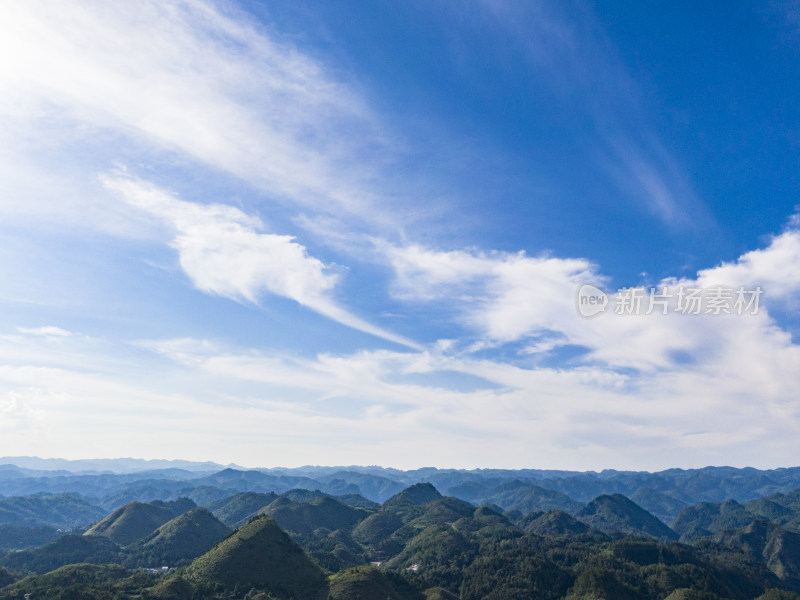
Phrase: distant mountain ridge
(110,483)
(108,465)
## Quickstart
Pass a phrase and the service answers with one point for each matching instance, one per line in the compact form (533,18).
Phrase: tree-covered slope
(19,537)
(262,556)
(555,522)
(617,514)
(66,550)
(64,511)
(322,513)
(177,541)
(705,518)
(779,548)
(522,496)
(365,583)
(237,509)
(131,522)
(662,505)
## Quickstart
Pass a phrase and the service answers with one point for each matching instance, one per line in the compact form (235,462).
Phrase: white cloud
(776,268)
(397,408)
(511,297)
(225,253)
(506,296)
(194,77)
(46,331)
(718,412)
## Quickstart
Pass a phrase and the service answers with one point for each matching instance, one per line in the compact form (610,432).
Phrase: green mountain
(431,547)
(373,487)
(515,567)
(441,538)
(419,493)
(6,578)
(260,555)
(177,541)
(339,487)
(554,522)
(781,509)
(302,495)
(706,518)
(204,495)
(477,556)
(365,583)
(131,522)
(665,507)
(356,500)
(516,495)
(306,517)
(617,514)
(235,510)
(78,582)
(779,548)
(18,537)
(406,514)
(175,587)
(323,527)
(376,528)
(176,507)
(64,511)
(66,550)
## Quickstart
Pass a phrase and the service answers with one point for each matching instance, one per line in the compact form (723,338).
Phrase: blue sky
(280,234)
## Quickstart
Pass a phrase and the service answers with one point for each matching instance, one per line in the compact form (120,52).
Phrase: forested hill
(419,544)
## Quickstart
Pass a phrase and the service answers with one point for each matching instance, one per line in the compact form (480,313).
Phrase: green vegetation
(367,583)
(260,555)
(66,550)
(237,510)
(665,506)
(616,514)
(64,511)
(132,522)
(81,582)
(18,537)
(423,546)
(419,493)
(304,518)
(706,518)
(554,522)
(178,541)
(517,495)
(779,549)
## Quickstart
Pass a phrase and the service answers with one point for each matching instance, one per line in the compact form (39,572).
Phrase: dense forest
(513,538)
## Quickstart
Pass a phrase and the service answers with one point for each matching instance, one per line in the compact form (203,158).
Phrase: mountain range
(457,534)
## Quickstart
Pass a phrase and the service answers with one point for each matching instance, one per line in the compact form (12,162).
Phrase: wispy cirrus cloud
(48,331)
(567,47)
(197,78)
